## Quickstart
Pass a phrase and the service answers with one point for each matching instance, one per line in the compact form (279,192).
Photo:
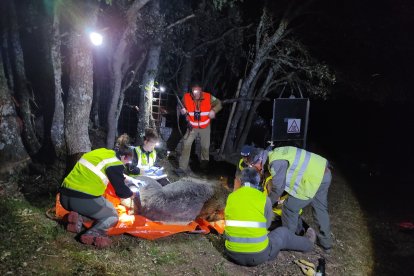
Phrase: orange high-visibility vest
(203,106)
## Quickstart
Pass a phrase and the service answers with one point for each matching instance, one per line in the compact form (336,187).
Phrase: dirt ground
(367,240)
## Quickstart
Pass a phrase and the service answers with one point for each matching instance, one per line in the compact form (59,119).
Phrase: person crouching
(82,192)
(248,215)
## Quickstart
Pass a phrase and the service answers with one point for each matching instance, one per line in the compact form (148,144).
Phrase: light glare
(96,38)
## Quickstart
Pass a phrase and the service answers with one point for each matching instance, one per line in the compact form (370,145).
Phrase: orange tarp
(142,227)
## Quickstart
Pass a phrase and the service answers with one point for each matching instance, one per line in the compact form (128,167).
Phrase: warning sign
(293,126)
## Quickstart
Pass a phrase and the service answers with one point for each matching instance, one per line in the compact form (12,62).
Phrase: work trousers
(279,239)
(319,203)
(99,209)
(188,140)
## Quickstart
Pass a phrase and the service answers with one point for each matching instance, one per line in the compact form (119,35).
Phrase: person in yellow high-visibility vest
(248,215)
(305,176)
(82,191)
(243,163)
(145,155)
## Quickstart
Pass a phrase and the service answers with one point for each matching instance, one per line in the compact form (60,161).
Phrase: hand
(183,111)
(212,114)
(142,171)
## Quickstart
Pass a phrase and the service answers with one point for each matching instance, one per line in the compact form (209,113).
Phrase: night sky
(369,40)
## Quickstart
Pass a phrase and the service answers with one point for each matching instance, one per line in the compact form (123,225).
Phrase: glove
(212,114)
(307,268)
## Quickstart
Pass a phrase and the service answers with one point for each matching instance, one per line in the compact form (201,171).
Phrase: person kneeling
(82,193)
(248,215)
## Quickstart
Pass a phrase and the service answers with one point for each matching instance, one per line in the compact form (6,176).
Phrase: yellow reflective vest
(242,165)
(245,228)
(88,176)
(305,172)
(144,160)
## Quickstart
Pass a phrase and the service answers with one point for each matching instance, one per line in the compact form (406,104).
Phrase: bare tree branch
(219,38)
(180,21)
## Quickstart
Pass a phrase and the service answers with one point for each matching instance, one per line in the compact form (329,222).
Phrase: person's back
(246,221)
(248,215)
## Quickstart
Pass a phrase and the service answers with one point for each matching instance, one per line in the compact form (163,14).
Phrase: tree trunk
(98,72)
(13,155)
(148,80)
(23,94)
(57,130)
(230,144)
(263,47)
(145,100)
(119,58)
(80,93)
(247,118)
(185,77)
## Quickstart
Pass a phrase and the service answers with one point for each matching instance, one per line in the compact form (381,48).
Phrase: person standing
(248,215)
(82,191)
(306,177)
(200,107)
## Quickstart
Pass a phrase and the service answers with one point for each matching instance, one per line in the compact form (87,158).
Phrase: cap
(245,151)
(257,155)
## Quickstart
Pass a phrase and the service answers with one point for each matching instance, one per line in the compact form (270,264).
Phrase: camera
(197,115)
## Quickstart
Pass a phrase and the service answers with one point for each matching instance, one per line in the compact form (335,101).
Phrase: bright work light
(96,38)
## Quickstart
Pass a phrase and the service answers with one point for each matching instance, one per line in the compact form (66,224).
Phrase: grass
(32,244)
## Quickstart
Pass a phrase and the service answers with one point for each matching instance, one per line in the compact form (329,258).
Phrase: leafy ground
(366,241)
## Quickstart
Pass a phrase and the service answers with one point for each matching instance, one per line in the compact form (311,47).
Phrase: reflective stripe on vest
(204,109)
(201,113)
(88,175)
(305,172)
(95,169)
(196,124)
(105,162)
(249,224)
(245,222)
(246,240)
(301,170)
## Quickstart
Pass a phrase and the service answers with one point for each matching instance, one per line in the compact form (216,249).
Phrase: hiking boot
(311,235)
(99,241)
(326,250)
(75,222)
(102,242)
(87,239)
